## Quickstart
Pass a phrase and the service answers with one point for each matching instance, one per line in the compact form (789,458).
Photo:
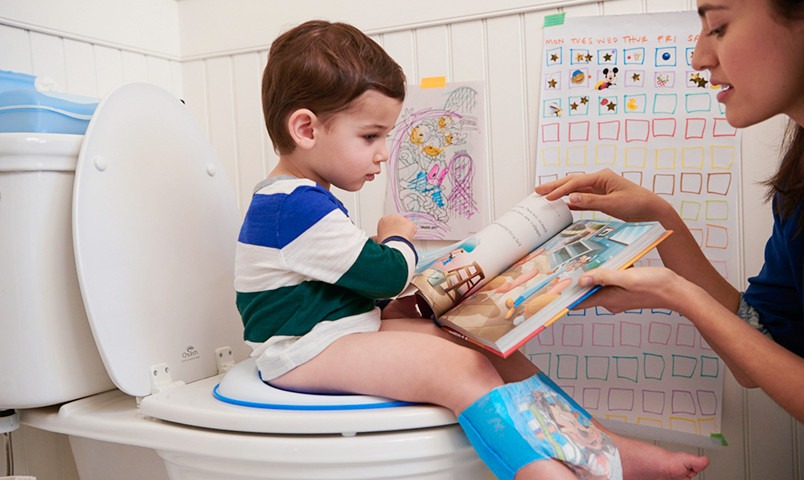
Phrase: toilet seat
(148,181)
(242,386)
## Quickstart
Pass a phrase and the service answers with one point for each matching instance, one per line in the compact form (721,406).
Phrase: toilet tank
(47,352)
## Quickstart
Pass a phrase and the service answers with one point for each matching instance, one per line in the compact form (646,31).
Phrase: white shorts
(282,353)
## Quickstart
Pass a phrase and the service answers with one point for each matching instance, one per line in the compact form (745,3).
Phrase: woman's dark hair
(787,186)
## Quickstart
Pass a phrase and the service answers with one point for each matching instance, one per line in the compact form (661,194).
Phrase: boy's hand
(395,225)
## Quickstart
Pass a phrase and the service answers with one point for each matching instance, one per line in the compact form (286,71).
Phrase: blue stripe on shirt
(274,222)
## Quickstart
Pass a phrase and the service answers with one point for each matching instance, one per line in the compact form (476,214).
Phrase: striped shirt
(300,261)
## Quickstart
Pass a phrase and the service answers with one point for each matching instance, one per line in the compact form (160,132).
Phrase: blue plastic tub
(23,108)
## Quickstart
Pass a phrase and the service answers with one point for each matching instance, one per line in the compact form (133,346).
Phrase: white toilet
(117,254)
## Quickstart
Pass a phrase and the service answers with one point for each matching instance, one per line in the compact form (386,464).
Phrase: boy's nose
(382,155)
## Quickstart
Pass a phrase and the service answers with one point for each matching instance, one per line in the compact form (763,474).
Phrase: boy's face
(350,147)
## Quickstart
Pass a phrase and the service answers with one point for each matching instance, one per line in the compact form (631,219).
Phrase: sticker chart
(620,93)
(437,164)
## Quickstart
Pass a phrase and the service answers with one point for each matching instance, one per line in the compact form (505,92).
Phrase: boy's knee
(477,368)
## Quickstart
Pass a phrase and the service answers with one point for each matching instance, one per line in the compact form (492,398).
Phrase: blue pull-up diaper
(519,423)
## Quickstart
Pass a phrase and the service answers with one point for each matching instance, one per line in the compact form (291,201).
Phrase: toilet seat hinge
(224,359)
(161,379)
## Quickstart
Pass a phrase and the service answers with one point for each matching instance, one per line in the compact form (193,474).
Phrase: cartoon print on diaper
(569,432)
(431,169)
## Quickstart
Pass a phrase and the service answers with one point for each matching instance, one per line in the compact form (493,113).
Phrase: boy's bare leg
(640,460)
(410,366)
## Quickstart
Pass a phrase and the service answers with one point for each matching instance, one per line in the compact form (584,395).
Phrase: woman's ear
(301,128)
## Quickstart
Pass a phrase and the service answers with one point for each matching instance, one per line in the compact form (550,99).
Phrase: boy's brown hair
(322,66)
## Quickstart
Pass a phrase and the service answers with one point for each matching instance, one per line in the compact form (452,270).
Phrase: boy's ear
(301,127)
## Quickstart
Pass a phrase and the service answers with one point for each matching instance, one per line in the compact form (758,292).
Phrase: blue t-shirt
(776,293)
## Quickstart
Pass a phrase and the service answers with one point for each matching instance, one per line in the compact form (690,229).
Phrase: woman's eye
(717,31)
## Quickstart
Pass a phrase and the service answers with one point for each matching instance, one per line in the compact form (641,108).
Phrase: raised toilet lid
(155,224)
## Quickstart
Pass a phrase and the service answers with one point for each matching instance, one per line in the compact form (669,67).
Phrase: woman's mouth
(724,93)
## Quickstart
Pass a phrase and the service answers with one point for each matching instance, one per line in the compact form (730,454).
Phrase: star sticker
(574,106)
(584,100)
(635,77)
(611,106)
(552,83)
(698,80)
(579,57)
(553,57)
(607,57)
(588,57)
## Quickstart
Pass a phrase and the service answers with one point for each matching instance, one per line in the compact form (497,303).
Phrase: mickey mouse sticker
(608,80)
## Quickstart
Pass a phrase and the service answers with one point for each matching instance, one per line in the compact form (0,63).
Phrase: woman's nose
(702,56)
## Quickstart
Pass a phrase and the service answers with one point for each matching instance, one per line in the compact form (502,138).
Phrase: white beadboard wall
(499,46)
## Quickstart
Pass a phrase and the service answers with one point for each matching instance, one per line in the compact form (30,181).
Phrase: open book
(502,286)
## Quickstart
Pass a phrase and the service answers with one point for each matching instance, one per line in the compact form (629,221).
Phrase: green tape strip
(554,19)
(719,436)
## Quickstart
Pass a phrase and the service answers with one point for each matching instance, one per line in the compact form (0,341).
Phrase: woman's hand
(607,192)
(610,193)
(634,288)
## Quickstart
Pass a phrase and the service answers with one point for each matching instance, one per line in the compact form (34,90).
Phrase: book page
(544,283)
(468,265)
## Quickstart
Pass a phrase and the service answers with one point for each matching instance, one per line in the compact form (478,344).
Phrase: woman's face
(758,61)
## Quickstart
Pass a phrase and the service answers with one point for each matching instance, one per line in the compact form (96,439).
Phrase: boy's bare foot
(645,461)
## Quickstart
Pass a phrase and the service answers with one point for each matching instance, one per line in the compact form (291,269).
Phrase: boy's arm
(381,270)
(326,246)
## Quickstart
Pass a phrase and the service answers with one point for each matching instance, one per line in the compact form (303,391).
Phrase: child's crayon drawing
(437,161)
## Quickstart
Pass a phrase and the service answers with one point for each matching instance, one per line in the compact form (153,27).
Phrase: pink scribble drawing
(431,167)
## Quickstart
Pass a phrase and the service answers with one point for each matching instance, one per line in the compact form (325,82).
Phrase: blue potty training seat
(242,386)
(519,423)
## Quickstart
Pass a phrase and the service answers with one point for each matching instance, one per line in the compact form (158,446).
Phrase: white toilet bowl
(154,226)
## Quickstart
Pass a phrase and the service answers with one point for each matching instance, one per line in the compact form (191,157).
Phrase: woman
(742,43)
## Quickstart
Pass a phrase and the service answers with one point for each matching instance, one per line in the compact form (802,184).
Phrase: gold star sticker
(698,80)
(553,57)
(574,106)
(607,57)
(552,83)
(588,57)
(579,57)
(611,106)
(635,77)
(584,100)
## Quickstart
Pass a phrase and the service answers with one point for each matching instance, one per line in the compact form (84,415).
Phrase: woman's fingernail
(575,197)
